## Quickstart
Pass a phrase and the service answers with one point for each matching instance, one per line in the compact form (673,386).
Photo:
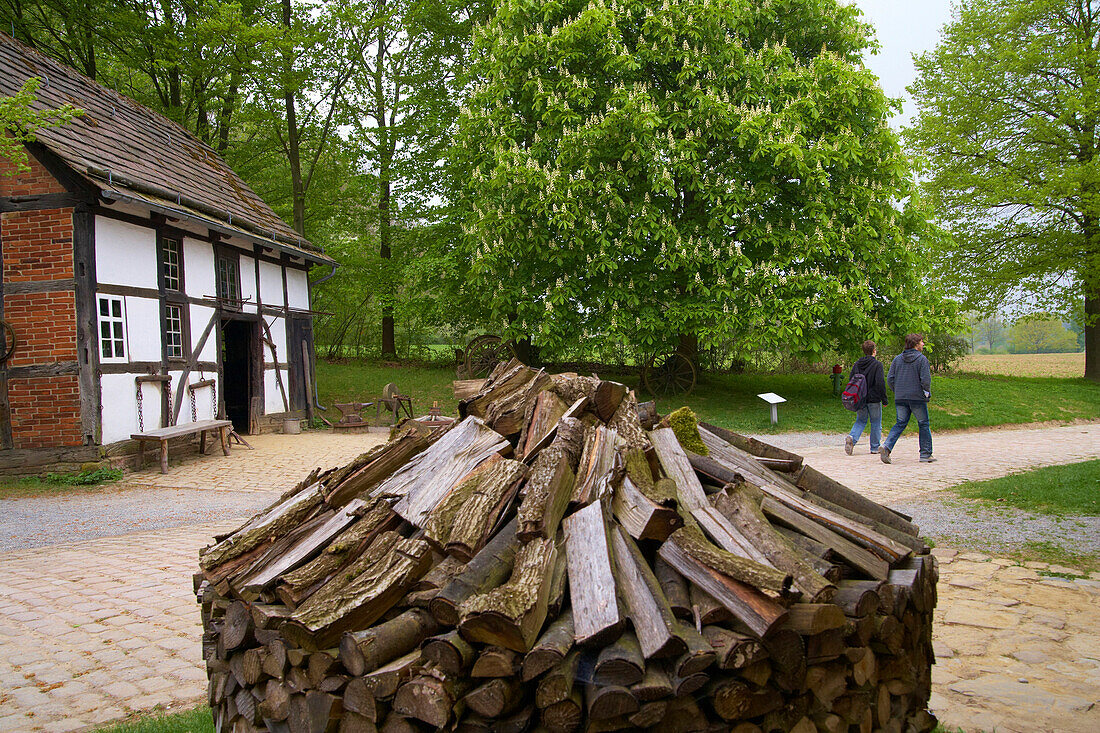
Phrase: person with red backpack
(865,395)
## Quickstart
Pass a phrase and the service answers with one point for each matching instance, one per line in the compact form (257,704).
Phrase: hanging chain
(194,409)
(214,400)
(141,410)
(168,392)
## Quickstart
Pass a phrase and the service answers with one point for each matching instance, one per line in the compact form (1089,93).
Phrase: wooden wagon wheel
(669,374)
(484,353)
(7,346)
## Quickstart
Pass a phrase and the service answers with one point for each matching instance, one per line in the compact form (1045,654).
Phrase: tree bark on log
(551,648)
(367,650)
(650,614)
(488,569)
(461,522)
(449,653)
(592,588)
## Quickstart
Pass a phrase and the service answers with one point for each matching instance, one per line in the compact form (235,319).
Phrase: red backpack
(855,393)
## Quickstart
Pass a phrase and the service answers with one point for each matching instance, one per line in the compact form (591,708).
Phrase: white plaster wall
(277,327)
(125,254)
(143,329)
(271,284)
(202,397)
(200,318)
(273,398)
(297,288)
(120,418)
(198,268)
(248,284)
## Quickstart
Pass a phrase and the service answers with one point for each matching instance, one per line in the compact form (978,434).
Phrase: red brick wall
(36,181)
(45,411)
(38,246)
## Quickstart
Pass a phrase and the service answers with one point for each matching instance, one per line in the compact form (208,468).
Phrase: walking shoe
(874,451)
(884,454)
(927,459)
(849,444)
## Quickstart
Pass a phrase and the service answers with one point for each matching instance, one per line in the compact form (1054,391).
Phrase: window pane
(104,307)
(119,350)
(106,349)
(116,306)
(105,329)
(118,330)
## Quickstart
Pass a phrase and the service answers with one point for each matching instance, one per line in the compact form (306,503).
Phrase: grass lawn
(52,483)
(959,401)
(1070,489)
(197,720)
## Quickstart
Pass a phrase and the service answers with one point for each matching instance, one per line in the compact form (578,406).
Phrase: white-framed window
(112,328)
(171,263)
(229,279)
(173,330)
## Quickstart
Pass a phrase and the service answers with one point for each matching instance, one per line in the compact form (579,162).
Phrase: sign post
(773,400)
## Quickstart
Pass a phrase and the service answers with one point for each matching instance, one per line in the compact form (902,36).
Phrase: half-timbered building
(145,284)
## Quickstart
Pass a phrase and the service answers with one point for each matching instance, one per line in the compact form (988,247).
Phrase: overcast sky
(903,28)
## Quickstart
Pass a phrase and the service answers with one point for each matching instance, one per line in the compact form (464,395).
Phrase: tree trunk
(298,194)
(385,159)
(1092,334)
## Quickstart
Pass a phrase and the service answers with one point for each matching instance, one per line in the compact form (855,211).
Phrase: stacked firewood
(562,558)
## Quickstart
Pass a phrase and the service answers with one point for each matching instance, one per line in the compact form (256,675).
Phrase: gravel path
(71,517)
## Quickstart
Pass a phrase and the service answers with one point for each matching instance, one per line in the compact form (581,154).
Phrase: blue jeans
(924,433)
(871,412)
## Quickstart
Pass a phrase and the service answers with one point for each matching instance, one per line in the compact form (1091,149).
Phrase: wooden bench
(162,435)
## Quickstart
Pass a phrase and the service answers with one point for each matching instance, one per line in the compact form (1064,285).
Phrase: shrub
(943,351)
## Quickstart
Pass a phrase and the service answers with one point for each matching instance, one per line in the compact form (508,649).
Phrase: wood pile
(562,559)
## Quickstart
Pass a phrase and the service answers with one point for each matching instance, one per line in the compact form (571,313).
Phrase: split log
(510,380)
(275,704)
(733,699)
(608,701)
(856,600)
(592,587)
(558,683)
(706,609)
(813,618)
(758,612)
(449,653)
(860,558)
(461,522)
(677,466)
(425,480)
(551,648)
(746,515)
(643,518)
(430,696)
(733,650)
(313,712)
(820,485)
(237,626)
(274,521)
(596,461)
(699,654)
(367,650)
(684,686)
(655,685)
(620,662)
(464,389)
(625,422)
(674,587)
(565,715)
(296,585)
(506,414)
(384,681)
(653,620)
(393,456)
(758,449)
(495,697)
(548,409)
(389,571)
(485,571)
(607,398)
(548,489)
(649,714)
(496,661)
(692,541)
(683,716)
(559,579)
(512,615)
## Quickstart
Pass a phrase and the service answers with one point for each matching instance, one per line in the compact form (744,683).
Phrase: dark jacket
(871,369)
(910,376)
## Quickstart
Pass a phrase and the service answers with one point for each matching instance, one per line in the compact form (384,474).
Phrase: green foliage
(944,350)
(1008,111)
(199,720)
(84,478)
(19,119)
(1041,335)
(638,170)
(1069,489)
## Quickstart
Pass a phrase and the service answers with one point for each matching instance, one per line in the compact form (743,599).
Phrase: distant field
(1025,365)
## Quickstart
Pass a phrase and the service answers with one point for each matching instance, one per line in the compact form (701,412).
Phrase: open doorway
(238,345)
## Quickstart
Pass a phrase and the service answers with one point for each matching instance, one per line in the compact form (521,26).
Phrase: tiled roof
(120,146)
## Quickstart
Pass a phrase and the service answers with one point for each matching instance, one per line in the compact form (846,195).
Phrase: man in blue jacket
(910,378)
